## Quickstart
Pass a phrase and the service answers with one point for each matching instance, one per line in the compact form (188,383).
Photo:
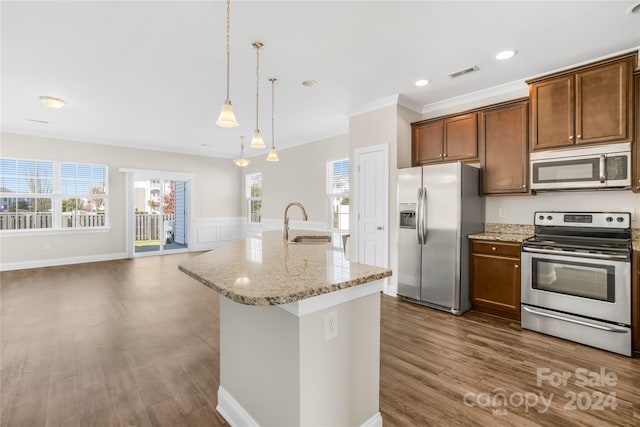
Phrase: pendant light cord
(228,45)
(273,114)
(257,45)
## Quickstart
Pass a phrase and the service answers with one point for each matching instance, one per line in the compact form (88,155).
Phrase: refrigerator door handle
(423,216)
(419,216)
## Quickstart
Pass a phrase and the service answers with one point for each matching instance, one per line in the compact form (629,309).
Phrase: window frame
(335,195)
(57,197)
(249,198)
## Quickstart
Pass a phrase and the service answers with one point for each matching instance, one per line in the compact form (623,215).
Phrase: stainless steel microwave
(599,167)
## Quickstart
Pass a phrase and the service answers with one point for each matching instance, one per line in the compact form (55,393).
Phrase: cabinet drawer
(496,248)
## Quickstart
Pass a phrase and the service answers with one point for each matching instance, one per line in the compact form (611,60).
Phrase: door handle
(603,172)
(419,216)
(576,321)
(424,216)
(380,227)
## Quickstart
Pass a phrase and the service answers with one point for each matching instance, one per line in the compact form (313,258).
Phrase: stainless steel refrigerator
(439,206)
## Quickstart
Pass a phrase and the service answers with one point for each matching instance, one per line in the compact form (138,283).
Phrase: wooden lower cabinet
(495,278)
(635,306)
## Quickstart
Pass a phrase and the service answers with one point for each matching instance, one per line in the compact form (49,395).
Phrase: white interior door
(372,176)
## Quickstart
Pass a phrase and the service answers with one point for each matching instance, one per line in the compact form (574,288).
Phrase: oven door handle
(575,254)
(579,322)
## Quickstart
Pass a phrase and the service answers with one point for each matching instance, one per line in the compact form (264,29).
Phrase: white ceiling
(151,74)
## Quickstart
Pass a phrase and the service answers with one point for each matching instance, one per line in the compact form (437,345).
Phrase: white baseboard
(232,412)
(236,416)
(390,289)
(375,421)
(61,261)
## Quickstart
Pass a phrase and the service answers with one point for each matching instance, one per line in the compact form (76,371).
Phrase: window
(37,194)
(254,197)
(83,188)
(338,194)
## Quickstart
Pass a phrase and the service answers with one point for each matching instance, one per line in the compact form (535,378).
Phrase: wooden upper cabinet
(504,149)
(427,143)
(450,139)
(603,107)
(589,104)
(552,117)
(461,137)
(636,146)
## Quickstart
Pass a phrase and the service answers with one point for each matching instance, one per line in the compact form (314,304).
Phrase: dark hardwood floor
(135,342)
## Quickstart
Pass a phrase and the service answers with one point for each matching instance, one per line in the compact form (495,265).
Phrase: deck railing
(146,225)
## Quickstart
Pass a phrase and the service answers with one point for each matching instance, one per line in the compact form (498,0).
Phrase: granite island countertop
(265,270)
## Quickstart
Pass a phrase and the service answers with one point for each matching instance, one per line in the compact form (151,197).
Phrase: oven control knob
(549,217)
(541,217)
(609,218)
(620,219)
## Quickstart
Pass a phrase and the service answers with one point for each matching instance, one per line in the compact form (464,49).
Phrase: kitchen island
(299,332)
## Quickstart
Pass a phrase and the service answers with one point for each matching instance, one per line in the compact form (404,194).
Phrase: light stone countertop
(266,270)
(502,237)
(636,245)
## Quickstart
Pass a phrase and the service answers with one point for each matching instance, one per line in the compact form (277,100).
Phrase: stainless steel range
(576,278)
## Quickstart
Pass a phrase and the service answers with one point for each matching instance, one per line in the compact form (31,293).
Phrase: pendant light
(242,162)
(273,156)
(227,118)
(256,141)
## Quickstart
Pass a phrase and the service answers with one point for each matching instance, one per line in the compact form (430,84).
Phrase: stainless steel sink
(310,240)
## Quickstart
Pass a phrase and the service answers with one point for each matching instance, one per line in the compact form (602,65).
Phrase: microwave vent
(465,71)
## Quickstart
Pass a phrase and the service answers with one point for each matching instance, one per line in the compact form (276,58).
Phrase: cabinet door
(603,103)
(426,144)
(636,147)
(461,137)
(552,113)
(635,306)
(495,285)
(503,138)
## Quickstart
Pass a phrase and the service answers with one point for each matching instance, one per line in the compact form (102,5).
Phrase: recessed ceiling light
(506,54)
(634,9)
(421,82)
(52,102)
(309,83)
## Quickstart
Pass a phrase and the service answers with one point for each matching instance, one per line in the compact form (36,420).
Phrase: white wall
(299,176)
(376,128)
(520,210)
(216,197)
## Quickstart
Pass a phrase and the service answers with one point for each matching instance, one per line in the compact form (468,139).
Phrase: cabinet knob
(570,137)
(440,155)
(524,185)
(578,136)
(516,265)
(493,248)
(445,154)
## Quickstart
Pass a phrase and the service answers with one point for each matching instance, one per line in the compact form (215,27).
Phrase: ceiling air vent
(465,71)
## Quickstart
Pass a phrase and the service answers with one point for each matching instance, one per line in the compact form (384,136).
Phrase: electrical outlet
(330,325)
(502,213)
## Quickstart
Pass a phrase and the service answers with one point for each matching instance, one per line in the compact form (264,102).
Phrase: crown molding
(513,89)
